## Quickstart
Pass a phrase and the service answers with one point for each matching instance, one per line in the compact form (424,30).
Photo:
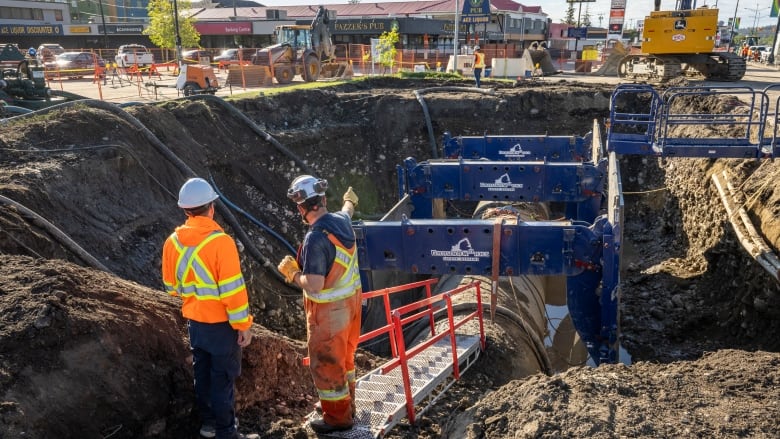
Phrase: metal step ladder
(380,398)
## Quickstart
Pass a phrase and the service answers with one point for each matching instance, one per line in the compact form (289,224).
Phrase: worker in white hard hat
(326,269)
(200,263)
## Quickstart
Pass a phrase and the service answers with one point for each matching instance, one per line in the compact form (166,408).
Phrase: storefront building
(423,25)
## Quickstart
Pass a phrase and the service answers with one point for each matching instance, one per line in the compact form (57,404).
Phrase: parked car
(765,56)
(132,55)
(48,52)
(75,65)
(232,55)
(193,56)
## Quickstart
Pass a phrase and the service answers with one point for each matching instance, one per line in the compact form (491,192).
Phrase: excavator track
(649,68)
(733,67)
(716,66)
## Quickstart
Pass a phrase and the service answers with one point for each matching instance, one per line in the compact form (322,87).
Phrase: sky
(749,11)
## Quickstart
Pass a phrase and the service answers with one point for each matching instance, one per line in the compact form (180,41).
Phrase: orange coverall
(333,328)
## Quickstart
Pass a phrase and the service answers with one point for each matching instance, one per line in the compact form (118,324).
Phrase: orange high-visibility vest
(479,61)
(201,264)
(343,279)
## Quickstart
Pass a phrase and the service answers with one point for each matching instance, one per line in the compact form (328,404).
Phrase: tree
(586,19)
(162,31)
(386,47)
(570,16)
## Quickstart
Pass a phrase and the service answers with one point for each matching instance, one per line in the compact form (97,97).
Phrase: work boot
(321,427)
(208,431)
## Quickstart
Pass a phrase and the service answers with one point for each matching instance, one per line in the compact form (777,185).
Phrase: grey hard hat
(305,187)
(196,192)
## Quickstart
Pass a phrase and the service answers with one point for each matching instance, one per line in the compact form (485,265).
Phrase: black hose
(58,234)
(173,158)
(251,218)
(234,111)
(428,123)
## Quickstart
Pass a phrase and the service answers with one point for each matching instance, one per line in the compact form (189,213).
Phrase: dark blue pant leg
(217,363)
(224,370)
(201,363)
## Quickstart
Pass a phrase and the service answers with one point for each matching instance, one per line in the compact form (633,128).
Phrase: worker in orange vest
(326,268)
(200,263)
(479,64)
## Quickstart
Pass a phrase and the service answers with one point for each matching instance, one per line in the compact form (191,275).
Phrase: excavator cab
(295,36)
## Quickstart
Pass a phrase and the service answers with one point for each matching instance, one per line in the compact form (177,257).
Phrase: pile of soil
(91,346)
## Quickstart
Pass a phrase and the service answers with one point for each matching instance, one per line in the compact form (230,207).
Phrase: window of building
(21,13)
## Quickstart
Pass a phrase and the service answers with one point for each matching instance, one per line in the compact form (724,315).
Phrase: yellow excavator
(681,43)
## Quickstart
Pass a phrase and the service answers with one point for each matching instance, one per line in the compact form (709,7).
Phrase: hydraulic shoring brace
(576,248)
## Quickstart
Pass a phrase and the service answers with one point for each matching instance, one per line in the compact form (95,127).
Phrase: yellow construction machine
(681,43)
(304,50)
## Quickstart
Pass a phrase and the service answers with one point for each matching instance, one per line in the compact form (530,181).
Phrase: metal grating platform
(380,399)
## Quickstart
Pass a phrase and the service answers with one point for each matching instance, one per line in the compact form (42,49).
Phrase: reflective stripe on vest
(347,284)
(205,287)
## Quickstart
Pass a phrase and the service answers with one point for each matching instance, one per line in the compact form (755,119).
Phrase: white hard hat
(305,187)
(196,192)
(476,47)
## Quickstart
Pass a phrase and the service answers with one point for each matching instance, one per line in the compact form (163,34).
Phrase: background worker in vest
(327,271)
(200,263)
(479,64)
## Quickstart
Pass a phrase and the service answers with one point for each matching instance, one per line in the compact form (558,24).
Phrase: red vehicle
(74,65)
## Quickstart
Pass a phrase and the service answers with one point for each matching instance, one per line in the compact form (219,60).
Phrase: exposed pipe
(58,234)
(251,218)
(428,123)
(176,161)
(234,111)
(746,233)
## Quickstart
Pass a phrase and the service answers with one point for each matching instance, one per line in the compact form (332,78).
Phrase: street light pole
(103,19)
(455,41)
(771,59)
(755,17)
(733,23)
(176,29)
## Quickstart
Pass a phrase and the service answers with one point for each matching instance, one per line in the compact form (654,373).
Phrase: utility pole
(755,17)
(771,59)
(176,29)
(103,19)
(455,41)
(733,23)
(577,40)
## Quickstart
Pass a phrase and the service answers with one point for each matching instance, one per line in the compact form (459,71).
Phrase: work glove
(350,195)
(288,267)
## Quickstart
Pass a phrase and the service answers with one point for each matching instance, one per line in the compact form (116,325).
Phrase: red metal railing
(389,327)
(397,318)
(404,356)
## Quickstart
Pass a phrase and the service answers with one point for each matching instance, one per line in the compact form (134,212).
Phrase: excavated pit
(90,354)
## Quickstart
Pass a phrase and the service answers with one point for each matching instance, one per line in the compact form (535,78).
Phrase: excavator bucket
(537,54)
(337,70)
(610,66)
